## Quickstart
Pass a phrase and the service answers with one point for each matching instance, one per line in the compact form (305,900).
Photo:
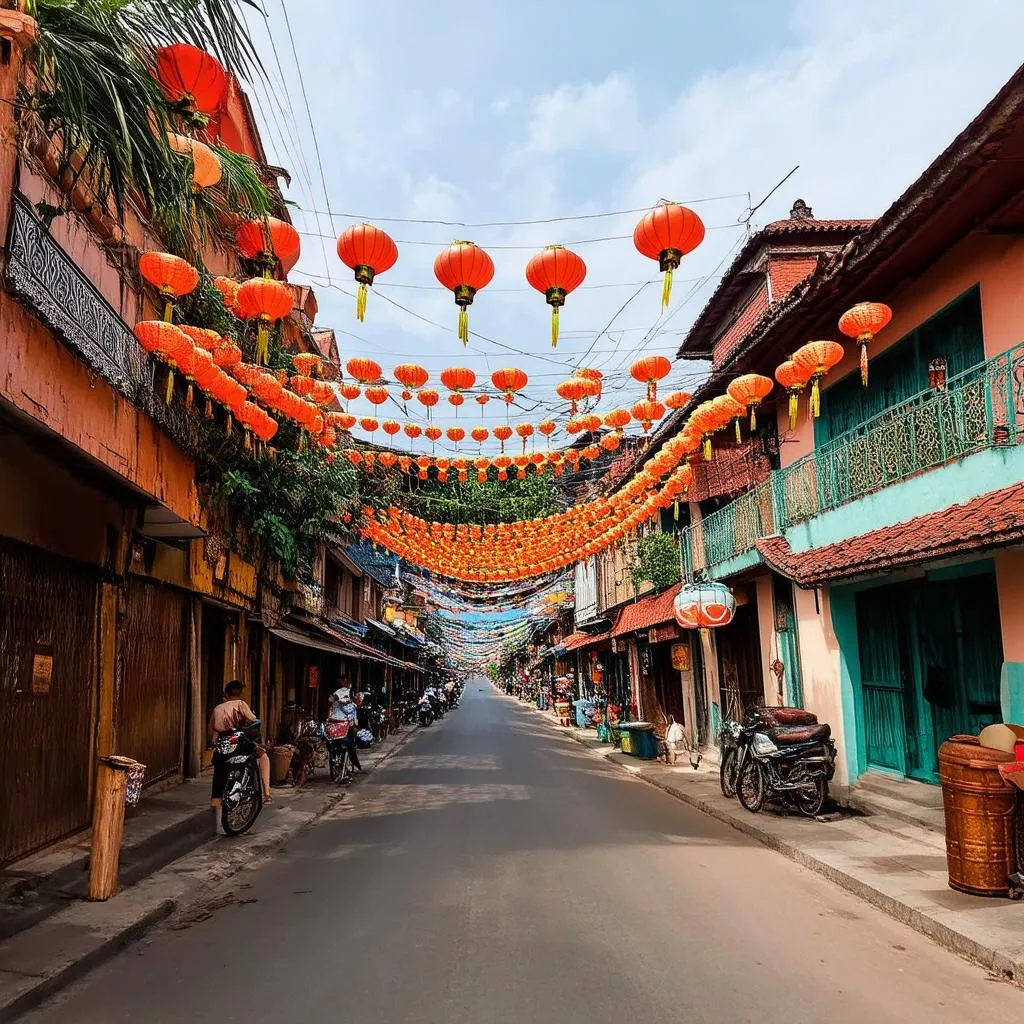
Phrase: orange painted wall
(1010,584)
(996,262)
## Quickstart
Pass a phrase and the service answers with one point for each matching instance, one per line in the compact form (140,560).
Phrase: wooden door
(740,673)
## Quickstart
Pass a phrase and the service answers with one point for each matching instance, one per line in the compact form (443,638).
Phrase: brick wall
(751,313)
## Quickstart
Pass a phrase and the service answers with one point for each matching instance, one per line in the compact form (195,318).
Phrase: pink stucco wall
(996,262)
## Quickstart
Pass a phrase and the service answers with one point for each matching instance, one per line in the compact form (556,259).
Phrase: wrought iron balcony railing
(983,407)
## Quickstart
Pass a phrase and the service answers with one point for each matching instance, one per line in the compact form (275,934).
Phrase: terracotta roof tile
(647,612)
(992,520)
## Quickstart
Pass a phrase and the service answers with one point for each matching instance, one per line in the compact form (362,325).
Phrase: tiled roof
(993,520)
(575,641)
(647,612)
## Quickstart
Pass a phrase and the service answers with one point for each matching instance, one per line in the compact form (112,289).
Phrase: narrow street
(495,871)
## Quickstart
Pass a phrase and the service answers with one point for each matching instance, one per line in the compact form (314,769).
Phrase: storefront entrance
(930,657)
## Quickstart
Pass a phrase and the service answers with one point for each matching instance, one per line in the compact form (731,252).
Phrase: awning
(647,612)
(303,639)
(577,641)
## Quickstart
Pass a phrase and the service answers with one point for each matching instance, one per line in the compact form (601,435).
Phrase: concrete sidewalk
(895,865)
(45,957)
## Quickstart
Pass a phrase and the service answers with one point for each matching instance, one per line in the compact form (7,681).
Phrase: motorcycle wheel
(810,802)
(338,763)
(750,786)
(727,773)
(238,812)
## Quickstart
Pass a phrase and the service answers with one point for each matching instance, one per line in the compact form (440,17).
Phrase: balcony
(981,408)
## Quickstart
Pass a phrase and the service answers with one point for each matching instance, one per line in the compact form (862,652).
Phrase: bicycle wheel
(727,773)
(750,786)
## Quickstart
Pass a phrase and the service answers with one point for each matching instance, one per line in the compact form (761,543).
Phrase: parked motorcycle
(734,739)
(243,791)
(336,735)
(794,763)
(380,724)
(426,713)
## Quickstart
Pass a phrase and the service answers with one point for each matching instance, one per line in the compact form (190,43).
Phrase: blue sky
(529,110)
(494,112)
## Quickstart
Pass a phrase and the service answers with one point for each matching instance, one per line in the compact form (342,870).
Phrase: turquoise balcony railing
(983,407)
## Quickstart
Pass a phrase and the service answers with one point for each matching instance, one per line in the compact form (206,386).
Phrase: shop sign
(314,677)
(659,634)
(42,669)
(681,657)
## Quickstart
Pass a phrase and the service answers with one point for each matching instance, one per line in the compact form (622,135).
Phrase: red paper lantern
(172,276)
(264,300)
(269,240)
(509,380)
(367,251)
(649,371)
(863,322)
(815,359)
(463,268)
(192,78)
(410,376)
(555,271)
(366,371)
(666,234)
(751,389)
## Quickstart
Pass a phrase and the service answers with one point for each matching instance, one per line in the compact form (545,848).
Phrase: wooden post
(196,701)
(107,827)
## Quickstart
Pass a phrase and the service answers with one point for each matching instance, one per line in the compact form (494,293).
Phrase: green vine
(657,561)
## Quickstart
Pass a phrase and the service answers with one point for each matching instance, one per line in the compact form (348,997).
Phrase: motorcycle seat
(783,735)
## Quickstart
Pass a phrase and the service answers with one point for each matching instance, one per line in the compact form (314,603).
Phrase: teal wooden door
(881,639)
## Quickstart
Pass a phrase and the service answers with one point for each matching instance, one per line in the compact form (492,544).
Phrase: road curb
(1008,965)
(190,896)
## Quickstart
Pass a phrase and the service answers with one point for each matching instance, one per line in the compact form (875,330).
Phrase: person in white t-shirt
(674,737)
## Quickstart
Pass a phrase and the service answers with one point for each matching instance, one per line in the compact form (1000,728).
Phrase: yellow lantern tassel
(753,417)
(248,441)
(170,387)
(209,410)
(361,302)
(739,436)
(675,510)
(864,339)
(262,343)
(815,398)
(302,441)
(168,311)
(794,407)
(554,326)
(189,396)
(707,447)
(463,325)
(666,288)
(228,428)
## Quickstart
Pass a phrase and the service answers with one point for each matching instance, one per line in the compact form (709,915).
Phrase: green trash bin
(639,739)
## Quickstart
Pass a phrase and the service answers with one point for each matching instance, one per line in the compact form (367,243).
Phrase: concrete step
(906,790)
(874,802)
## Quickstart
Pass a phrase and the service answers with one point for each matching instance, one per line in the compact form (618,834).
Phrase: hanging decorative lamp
(863,322)
(206,165)
(647,411)
(364,370)
(794,379)
(666,234)
(172,276)
(555,271)
(192,80)
(572,390)
(509,381)
(366,251)
(267,241)
(266,301)
(815,359)
(649,371)
(750,390)
(410,376)
(463,268)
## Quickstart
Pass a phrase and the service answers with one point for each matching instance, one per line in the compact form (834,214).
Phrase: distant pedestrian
(674,738)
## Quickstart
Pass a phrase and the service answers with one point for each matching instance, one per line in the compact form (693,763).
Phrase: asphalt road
(493,871)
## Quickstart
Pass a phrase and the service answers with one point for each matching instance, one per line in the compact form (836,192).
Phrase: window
(901,371)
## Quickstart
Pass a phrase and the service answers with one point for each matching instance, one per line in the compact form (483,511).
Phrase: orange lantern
(172,276)
(617,419)
(442,465)
(191,79)
(463,268)
(423,463)
(455,434)
(228,292)
(413,430)
(344,420)
(647,411)
(730,411)
(410,376)
(610,442)
(369,424)
(364,370)
(480,434)
(524,430)
(433,433)
(572,390)
(206,166)
(308,363)
(591,422)
(266,301)
(428,398)
(503,433)
(863,322)
(391,427)
(677,399)
(750,390)
(555,271)
(815,359)
(590,374)
(547,428)
(376,394)
(387,459)
(509,381)
(649,371)
(793,378)
(367,251)
(482,400)
(666,234)
(267,241)
(482,465)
